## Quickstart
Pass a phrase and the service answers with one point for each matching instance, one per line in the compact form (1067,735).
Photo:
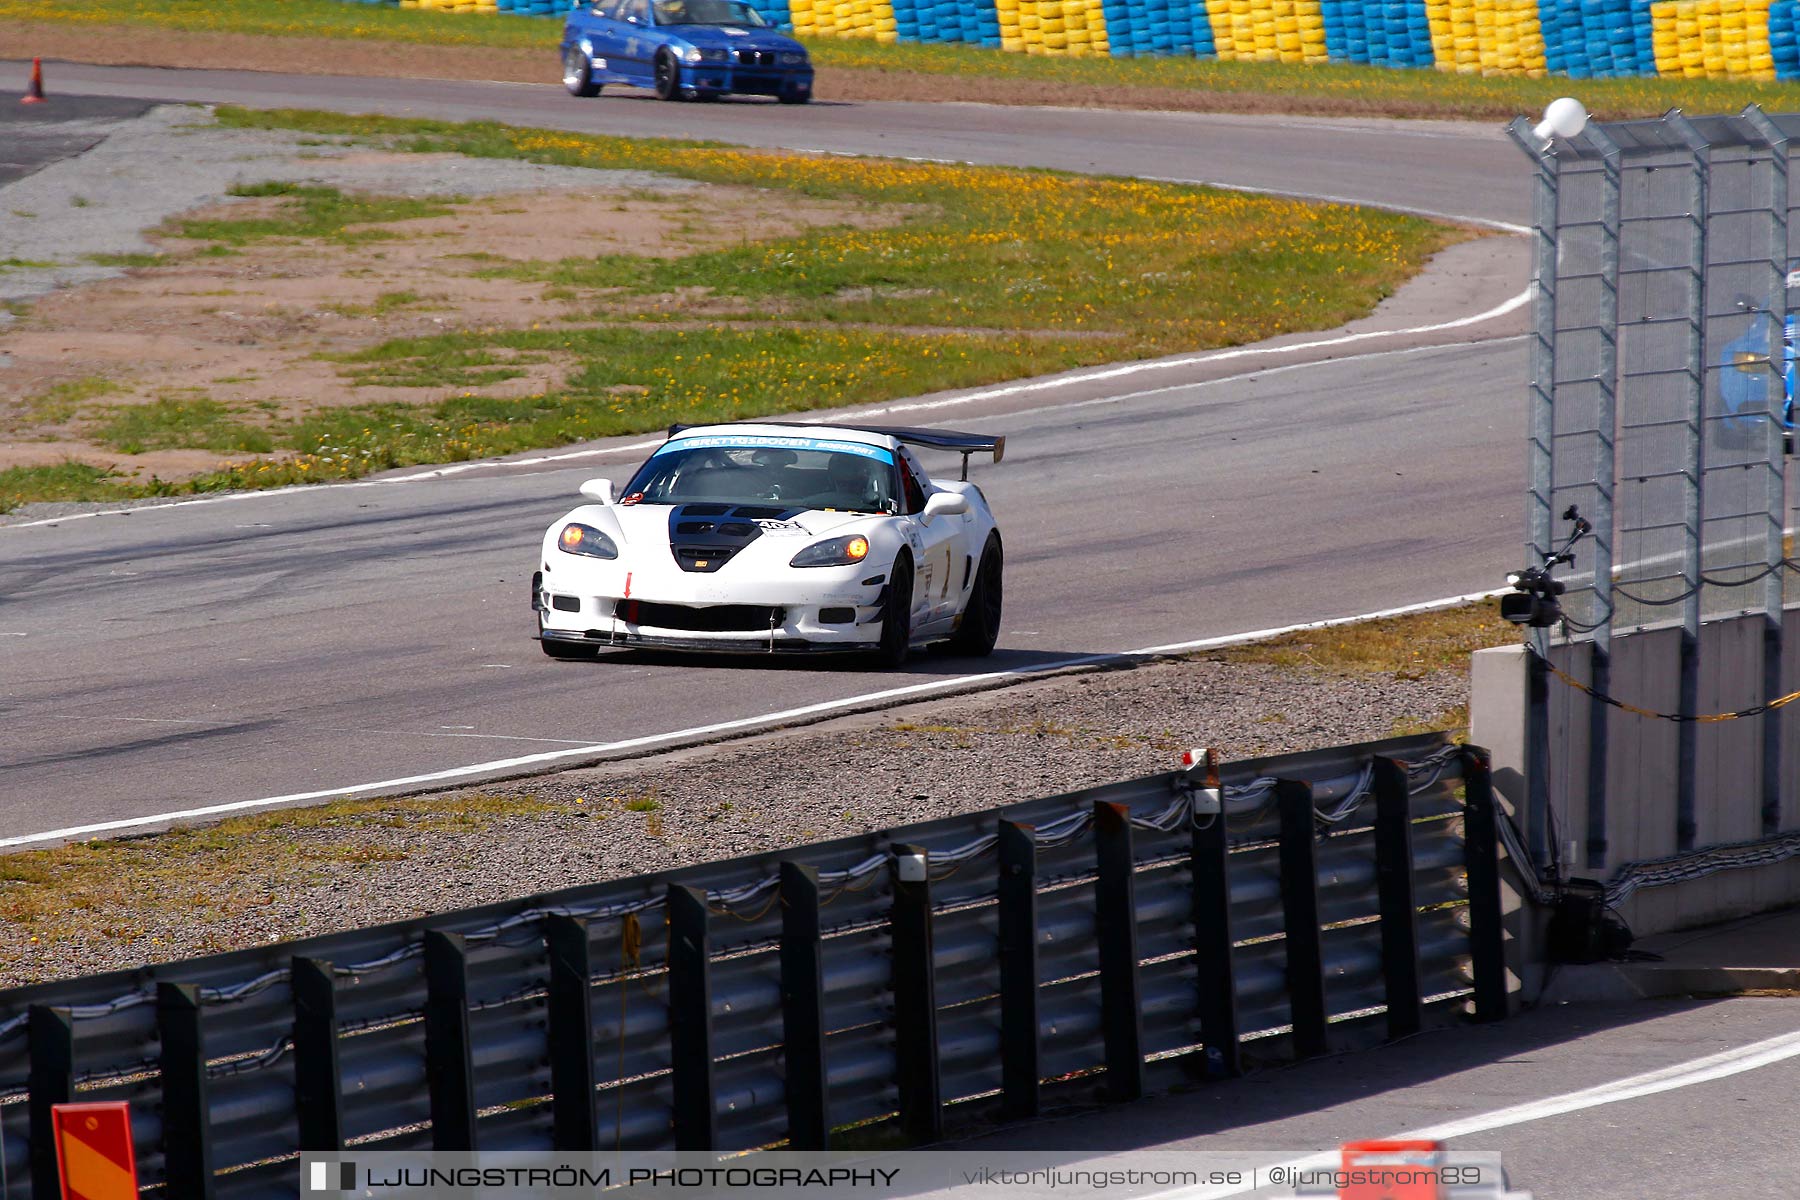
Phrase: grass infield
(957,276)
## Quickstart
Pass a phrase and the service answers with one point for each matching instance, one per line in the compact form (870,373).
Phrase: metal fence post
(1019,1039)
(52,1081)
(1300,918)
(1115,927)
(690,1020)
(570,1000)
(187,1124)
(805,1081)
(1481,851)
(1693,565)
(1399,911)
(318,1080)
(915,997)
(1213,940)
(449,1065)
(1774,550)
(1605,474)
(1540,451)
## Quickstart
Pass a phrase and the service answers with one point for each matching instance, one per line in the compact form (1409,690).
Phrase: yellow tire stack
(1699,39)
(1012,36)
(1267,30)
(1486,37)
(873,19)
(1072,28)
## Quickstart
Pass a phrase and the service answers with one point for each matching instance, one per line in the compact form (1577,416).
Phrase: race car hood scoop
(704,537)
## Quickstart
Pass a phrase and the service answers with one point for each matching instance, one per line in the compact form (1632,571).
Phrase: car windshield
(707,12)
(794,472)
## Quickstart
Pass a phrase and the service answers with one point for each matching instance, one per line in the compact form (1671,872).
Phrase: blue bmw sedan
(682,49)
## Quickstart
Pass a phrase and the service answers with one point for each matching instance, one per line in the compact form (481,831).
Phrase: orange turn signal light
(858,549)
(571,535)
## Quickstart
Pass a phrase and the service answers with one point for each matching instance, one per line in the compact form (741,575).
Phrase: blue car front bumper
(746,81)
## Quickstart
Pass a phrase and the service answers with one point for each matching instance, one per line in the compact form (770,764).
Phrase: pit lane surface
(325,639)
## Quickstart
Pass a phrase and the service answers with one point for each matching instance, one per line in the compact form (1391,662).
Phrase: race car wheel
(896,615)
(980,626)
(668,76)
(578,73)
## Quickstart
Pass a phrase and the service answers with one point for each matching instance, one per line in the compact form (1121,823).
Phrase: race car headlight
(695,54)
(576,538)
(792,58)
(833,552)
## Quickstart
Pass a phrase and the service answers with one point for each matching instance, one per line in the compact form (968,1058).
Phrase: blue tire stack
(1346,33)
(906,20)
(1148,28)
(1597,39)
(949,18)
(1122,26)
(927,16)
(980,24)
(1783,47)
(1381,33)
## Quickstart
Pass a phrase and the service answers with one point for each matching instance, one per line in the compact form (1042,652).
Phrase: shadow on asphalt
(933,663)
(1281,1092)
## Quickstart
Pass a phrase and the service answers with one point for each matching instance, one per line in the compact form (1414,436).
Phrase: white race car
(765,537)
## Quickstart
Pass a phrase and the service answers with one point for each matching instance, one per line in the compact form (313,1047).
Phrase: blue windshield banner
(759,441)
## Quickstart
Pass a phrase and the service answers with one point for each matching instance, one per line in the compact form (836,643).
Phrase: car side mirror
(944,504)
(598,490)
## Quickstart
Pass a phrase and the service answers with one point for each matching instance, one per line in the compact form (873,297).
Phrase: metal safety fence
(1663,381)
(1121,936)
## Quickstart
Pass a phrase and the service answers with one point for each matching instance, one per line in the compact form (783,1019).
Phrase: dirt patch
(260,332)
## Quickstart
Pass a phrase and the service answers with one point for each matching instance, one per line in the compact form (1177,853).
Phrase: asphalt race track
(1448,168)
(326,639)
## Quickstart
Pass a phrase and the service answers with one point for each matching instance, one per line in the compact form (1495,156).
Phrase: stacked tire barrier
(1582,39)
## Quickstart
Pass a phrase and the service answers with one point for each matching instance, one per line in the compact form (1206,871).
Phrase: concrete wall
(1642,764)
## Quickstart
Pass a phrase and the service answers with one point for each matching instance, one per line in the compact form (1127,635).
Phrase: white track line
(1664,1079)
(452,775)
(1102,374)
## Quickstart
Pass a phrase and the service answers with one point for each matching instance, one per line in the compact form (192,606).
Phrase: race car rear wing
(964,444)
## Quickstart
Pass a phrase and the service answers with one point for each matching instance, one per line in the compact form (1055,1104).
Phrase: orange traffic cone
(36,93)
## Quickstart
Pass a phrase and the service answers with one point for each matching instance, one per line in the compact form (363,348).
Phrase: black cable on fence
(1755,710)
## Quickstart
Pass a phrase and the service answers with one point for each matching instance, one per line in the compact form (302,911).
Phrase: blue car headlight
(792,58)
(694,54)
(577,538)
(833,552)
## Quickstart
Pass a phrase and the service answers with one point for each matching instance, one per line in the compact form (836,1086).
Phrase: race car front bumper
(746,81)
(820,624)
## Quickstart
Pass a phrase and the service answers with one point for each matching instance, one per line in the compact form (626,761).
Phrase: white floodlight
(1563,118)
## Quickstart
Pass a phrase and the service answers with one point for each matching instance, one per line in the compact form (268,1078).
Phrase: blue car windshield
(707,12)
(819,475)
